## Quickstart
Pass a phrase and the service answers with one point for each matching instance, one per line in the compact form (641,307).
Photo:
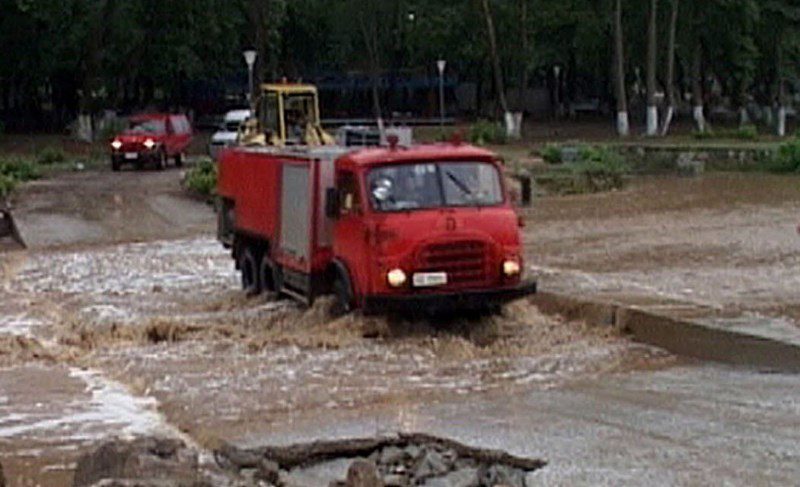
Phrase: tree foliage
(64,57)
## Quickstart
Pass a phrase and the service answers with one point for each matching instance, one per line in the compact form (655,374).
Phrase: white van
(228,133)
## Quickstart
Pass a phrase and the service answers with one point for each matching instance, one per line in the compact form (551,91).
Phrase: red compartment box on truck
(429,227)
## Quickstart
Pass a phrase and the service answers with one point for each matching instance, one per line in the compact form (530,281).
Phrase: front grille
(464,262)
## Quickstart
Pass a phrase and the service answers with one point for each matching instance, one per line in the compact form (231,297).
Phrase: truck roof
(429,152)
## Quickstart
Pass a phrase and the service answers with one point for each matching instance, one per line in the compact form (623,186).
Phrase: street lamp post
(250,58)
(442,65)
(557,72)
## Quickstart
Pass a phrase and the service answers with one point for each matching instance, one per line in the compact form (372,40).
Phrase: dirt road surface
(137,327)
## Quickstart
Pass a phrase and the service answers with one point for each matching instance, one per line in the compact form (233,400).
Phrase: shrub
(485,132)
(552,154)
(202,178)
(746,132)
(7,185)
(601,168)
(19,169)
(51,155)
(705,135)
(786,159)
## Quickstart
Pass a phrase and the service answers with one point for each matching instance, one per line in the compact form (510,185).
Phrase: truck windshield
(434,185)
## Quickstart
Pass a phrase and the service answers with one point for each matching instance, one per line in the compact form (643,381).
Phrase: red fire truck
(429,227)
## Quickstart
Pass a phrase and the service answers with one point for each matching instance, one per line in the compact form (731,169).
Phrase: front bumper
(142,157)
(454,301)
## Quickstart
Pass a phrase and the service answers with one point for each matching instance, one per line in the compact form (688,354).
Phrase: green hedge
(202,178)
(14,171)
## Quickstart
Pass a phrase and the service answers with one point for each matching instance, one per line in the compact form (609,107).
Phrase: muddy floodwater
(148,337)
(134,335)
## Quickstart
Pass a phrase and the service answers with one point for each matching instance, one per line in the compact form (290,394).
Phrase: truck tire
(267,274)
(248,266)
(342,298)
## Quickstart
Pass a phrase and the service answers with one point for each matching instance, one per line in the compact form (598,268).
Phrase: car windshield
(434,185)
(147,126)
(232,126)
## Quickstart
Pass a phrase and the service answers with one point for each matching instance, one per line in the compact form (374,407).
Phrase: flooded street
(155,337)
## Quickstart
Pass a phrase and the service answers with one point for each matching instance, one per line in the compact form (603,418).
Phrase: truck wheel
(267,274)
(342,298)
(248,266)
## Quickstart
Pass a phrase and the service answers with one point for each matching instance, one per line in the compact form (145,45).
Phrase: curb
(681,336)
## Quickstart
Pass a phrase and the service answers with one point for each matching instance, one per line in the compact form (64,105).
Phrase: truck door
(351,234)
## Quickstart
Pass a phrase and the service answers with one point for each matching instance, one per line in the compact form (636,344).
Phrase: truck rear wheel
(267,274)
(248,266)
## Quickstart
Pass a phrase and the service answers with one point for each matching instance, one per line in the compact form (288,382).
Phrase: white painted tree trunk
(652,121)
(699,118)
(781,121)
(513,125)
(84,132)
(744,117)
(623,124)
(668,120)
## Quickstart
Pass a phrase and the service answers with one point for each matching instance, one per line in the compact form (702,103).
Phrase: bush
(485,132)
(746,132)
(202,178)
(705,135)
(786,160)
(552,154)
(14,171)
(51,155)
(19,169)
(7,185)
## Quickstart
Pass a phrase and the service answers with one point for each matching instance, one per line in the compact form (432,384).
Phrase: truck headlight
(511,268)
(149,143)
(116,145)
(396,278)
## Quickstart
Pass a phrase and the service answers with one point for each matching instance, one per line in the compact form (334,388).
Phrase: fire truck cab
(429,227)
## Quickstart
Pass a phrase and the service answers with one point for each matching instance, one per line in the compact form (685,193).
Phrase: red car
(152,139)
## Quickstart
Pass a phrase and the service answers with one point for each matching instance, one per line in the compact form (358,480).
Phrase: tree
(496,66)
(623,124)
(670,76)
(652,61)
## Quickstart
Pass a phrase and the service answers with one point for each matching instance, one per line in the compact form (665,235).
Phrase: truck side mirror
(332,203)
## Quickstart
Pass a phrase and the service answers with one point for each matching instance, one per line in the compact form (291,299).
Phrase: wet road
(726,242)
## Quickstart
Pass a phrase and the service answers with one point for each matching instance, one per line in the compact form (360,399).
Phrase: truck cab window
(349,197)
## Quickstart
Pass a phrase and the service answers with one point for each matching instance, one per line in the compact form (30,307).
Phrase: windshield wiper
(459,183)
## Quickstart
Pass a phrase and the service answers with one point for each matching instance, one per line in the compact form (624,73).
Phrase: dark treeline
(652,58)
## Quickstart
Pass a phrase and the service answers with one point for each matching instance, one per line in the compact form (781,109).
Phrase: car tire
(115,165)
(248,266)
(179,159)
(161,162)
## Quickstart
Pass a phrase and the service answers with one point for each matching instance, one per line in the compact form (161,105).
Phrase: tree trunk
(782,102)
(670,80)
(523,85)
(697,88)
(652,60)
(498,73)
(623,123)
(370,34)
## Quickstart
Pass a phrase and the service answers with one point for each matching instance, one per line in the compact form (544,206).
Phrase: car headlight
(396,278)
(149,143)
(116,145)
(511,268)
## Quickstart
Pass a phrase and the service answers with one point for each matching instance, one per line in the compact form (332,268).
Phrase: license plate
(131,155)
(430,279)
